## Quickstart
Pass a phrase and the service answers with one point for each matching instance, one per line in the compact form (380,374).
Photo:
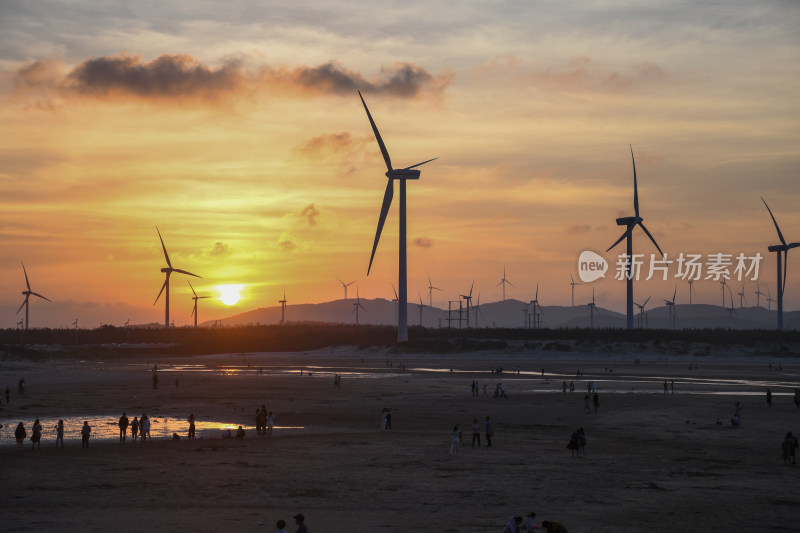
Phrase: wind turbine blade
(674,293)
(645,302)
(377,135)
(159,292)
(395,292)
(40,296)
(624,234)
(780,235)
(387,203)
(26,276)
(194,309)
(420,164)
(652,239)
(635,186)
(23,304)
(340,281)
(785,267)
(510,283)
(190,285)
(537,292)
(470,289)
(166,255)
(179,271)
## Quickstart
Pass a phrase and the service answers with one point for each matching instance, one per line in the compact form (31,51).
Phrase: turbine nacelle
(629,221)
(404,174)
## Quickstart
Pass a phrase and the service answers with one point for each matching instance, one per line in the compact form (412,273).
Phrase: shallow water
(106,428)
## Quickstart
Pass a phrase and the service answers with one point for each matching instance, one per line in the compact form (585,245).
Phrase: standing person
(586,408)
(456,440)
(144,427)
(665,386)
(36,435)
(489,430)
(572,386)
(596,402)
(135,429)
(258,421)
(672,386)
(20,434)
(270,423)
(301,525)
(796,397)
(789,447)
(191,426)
(123,427)
(512,526)
(530,525)
(8,395)
(60,434)
(85,432)
(564,387)
(553,527)
(769,396)
(389,418)
(384,415)
(281,525)
(476,432)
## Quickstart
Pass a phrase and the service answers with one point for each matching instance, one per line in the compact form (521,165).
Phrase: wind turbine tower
(641,312)
(537,316)
(468,299)
(283,307)
(631,223)
(673,312)
(503,282)
(401,175)
(591,309)
(759,294)
(431,288)
(778,248)
(356,305)
(195,298)
(572,284)
(691,290)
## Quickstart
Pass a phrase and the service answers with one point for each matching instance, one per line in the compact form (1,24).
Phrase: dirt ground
(653,462)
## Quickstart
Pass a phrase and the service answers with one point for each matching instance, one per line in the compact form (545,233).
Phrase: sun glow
(229,294)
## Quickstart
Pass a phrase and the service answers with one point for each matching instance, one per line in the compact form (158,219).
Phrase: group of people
(140,427)
(20,434)
(517,524)
(457,435)
(265,422)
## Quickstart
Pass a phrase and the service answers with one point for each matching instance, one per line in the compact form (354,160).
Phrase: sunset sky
(236,128)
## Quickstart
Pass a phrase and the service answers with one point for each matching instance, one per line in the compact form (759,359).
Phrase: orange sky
(237,130)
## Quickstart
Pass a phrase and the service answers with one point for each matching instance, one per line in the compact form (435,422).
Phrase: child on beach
(456,439)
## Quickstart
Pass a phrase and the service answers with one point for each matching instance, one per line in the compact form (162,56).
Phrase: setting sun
(229,294)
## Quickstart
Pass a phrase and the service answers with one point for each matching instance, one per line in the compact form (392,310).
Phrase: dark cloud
(310,212)
(286,245)
(325,144)
(423,242)
(176,77)
(219,249)
(576,229)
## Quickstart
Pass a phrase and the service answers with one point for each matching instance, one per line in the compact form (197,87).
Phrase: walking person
(489,431)
(144,427)
(191,426)
(586,408)
(86,430)
(665,386)
(60,434)
(769,396)
(36,435)
(123,427)
(270,423)
(596,402)
(20,434)
(300,521)
(455,440)
(789,447)
(476,433)
(135,429)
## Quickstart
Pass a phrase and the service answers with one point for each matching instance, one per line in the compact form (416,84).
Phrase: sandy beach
(653,462)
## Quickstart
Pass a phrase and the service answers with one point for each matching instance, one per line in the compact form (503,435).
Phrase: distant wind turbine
(770,299)
(420,306)
(725,285)
(401,175)
(283,307)
(591,309)
(356,305)
(477,310)
(778,248)
(394,303)
(431,288)
(168,270)
(572,284)
(742,298)
(195,298)
(345,285)
(691,290)
(28,293)
(631,223)
(536,316)
(641,311)
(673,312)
(503,282)
(758,294)
(468,299)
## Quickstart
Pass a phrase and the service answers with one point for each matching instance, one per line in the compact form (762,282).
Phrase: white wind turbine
(401,175)
(758,294)
(477,310)
(503,282)
(345,285)
(572,284)
(468,299)
(691,289)
(641,312)
(431,288)
(28,293)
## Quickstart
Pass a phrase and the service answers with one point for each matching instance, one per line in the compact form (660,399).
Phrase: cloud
(423,242)
(576,229)
(183,77)
(219,249)
(310,212)
(330,144)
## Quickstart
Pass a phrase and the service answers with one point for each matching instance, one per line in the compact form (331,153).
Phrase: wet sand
(653,462)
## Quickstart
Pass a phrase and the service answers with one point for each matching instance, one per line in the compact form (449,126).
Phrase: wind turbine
(477,309)
(724,284)
(503,282)
(28,294)
(673,312)
(401,175)
(742,298)
(420,306)
(394,302)
(283,307)
(770,299)
(168,270)
(195,298)
(731,311)
(631,223)
(468,299)
(431,288)
(535,304)
(591,309)
(778,248)
(572,283)
(641,311)
(345,285)
(356,305)
(691,290)
(758,294)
